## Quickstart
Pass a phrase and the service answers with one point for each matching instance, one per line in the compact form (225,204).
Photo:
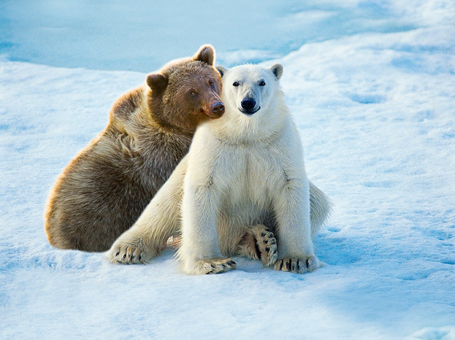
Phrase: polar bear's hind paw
(259,243)
(266,242)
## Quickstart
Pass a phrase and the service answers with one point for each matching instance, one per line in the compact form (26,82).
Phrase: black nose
(248,104)
(218,108)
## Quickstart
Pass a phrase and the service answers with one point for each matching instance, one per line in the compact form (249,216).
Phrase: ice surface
(143,35)
(374,99)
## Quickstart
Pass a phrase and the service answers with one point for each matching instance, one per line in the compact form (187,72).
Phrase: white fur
(241,170)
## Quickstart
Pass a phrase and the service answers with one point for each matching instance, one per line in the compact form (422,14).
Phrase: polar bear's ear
(157,82)
(277,70)
(205,54)
(222,70)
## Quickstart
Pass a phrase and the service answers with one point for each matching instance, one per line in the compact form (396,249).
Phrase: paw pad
(266,245)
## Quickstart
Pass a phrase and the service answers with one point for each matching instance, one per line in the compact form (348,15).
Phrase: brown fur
(105,188)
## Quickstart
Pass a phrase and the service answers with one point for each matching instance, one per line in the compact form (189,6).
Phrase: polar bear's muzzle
(249,106)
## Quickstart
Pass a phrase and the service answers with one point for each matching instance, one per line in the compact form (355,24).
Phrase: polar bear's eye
(236,83)
(262,83)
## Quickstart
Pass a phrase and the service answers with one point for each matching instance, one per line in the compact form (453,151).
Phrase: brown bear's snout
(216,110)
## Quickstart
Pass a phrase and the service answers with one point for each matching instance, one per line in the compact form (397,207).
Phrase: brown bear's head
(186,92)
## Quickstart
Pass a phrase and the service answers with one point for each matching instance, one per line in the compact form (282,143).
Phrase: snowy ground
(376,110)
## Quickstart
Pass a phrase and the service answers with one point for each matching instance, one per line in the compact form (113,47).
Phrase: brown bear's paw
(129,253)
(259,243)
(298,265)
(213,266)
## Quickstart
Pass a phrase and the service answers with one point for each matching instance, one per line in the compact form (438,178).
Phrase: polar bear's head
(250,89)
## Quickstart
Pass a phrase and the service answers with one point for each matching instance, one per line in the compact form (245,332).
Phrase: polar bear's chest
(251,175)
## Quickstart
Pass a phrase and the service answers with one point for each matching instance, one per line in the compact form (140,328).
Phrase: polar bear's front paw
(213,266)
(127,253)
(298,265)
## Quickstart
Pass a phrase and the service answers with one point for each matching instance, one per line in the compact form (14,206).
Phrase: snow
(371,87)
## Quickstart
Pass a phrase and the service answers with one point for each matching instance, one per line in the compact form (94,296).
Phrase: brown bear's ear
(205,54)
(277,70)
(157,82)
(221,70)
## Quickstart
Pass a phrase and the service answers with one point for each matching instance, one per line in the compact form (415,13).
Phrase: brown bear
(105,188)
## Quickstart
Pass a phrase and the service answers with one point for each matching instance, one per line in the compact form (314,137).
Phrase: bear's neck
(237,129)
(168,119)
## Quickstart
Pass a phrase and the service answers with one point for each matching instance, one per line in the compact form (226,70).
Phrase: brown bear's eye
(262,83)
(211,83)
(193,93)
(236,83)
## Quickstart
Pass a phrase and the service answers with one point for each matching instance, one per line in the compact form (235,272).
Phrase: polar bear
(244,172)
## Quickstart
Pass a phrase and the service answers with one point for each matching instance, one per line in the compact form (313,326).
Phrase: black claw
(274,252)
(294,266)
(140,257)
(267,249)
(307,263)
(281,264)
(124,256)
(266,241)
(117,254)
(263,234)
(273,241)
(258,251)
(288,265)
